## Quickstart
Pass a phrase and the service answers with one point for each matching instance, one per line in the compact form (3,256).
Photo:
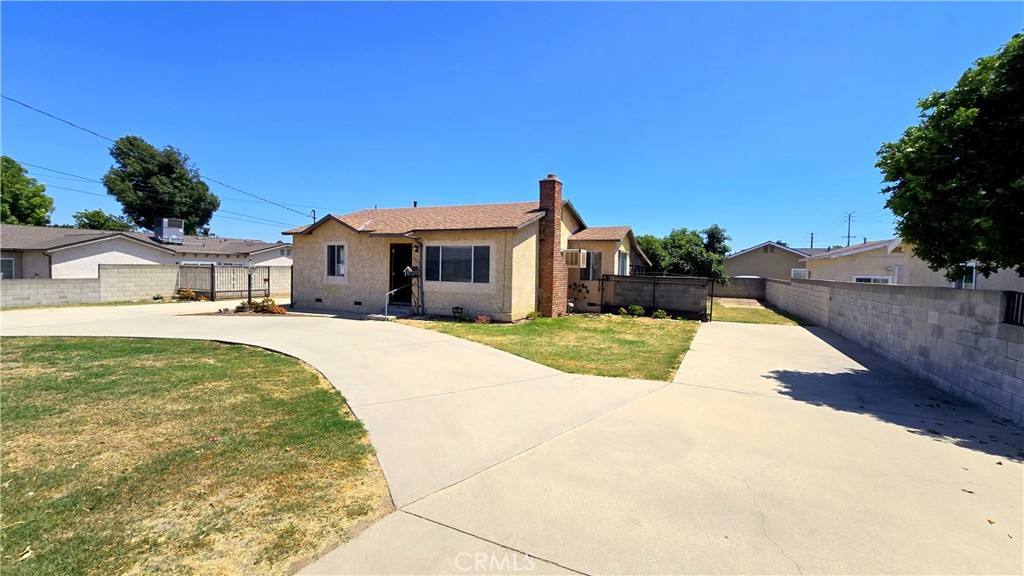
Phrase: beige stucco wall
(917,273)
(763,265)
(570,226)
(84,261)
(272,258)
(586,294)
(509,295)
(871,263)
(524,271)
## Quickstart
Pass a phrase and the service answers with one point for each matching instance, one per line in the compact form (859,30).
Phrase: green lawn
(603,345)
(131,456)
(752,312)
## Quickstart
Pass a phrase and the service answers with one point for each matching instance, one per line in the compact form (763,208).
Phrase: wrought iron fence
(216,282)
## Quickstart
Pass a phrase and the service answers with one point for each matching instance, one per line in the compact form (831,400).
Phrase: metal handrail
(387,299)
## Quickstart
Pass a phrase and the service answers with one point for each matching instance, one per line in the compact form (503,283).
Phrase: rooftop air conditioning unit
(575,258)
(801,273)
(169,230)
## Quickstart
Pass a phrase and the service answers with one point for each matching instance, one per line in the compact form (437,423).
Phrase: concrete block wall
(48,292)
(116,283)
(126,282)
(953,338)
(812,298)
(741,288)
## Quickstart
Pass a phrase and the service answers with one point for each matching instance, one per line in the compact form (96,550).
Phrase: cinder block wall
(49,292)
(281,281)
(742,288)
(125,282)
(953,338)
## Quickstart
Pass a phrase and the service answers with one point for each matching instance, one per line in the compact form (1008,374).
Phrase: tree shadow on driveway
(892,394)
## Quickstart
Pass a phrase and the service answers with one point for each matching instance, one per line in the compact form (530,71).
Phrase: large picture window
(592,271)
(458,264)
(336,260)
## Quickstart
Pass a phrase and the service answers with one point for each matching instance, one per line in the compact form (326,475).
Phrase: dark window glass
(481,264)
(456,263)
(433,271)
(332,267)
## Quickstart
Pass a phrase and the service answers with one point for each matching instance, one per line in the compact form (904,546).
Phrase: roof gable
(762,244)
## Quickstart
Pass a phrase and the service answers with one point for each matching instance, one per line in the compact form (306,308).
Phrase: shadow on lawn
(892,394)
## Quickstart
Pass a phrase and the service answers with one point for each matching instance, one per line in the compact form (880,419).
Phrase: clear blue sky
(762,117)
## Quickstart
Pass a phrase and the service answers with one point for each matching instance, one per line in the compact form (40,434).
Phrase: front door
(401,257)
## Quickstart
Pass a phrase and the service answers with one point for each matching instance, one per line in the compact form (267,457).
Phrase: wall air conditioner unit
(574,258)
(802,273)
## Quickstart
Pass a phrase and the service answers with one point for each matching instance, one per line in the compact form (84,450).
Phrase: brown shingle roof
(19,237)
(615,233)
(397,221)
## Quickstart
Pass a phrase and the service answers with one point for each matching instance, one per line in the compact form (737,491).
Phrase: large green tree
(23,200)
(152,184)
(654,248)
(689,252)
(955,181)
(99,220)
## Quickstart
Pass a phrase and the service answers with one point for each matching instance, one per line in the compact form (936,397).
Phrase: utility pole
(849,219)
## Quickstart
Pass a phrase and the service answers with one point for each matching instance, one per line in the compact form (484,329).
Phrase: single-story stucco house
(52,252)
(503,260)
(769,260)
(892,261)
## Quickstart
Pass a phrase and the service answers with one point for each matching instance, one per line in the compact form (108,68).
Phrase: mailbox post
(249,268)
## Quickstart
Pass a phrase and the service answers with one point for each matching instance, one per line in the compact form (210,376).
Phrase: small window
(7,268)
(624,264)
(872,279)
(336,260)
(592,271)
(470,264)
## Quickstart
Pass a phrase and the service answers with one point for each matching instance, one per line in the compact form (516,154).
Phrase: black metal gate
(678,295)
(217,282)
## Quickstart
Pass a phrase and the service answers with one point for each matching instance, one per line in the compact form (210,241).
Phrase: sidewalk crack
(753,498)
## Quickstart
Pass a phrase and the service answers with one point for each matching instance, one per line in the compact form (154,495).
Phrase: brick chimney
(554,278)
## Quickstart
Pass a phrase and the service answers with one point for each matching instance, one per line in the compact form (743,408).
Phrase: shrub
(482,319)
(158,296)
(265,306)
(186,294)
(635,310)
(533,315)
(661,315)
(623,312)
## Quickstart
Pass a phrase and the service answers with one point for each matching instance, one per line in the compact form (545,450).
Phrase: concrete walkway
(776,450)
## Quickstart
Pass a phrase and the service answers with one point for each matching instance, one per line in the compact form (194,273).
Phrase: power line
(144,188)
(268,223)
(97,134)
(68,122)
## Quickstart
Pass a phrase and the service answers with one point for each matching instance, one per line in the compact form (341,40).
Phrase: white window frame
(472,264)
(344,264)
(871,279)
(623,263)
(13,271)
(899,274)
(590,276)
(799,273)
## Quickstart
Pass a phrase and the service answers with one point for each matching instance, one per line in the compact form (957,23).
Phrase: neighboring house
(503,260)
(51,252)
(609,250)
(769,260)
(892,261)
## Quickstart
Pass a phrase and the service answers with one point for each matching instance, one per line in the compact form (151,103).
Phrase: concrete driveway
(776,450)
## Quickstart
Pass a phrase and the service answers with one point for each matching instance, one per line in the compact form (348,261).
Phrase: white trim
(848,251)
(888,279)
(337,279)
(751,249)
